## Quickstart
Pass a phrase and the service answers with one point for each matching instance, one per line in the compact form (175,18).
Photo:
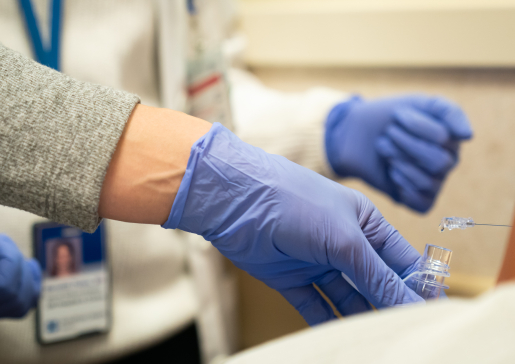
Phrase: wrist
(222,187)
(198,149)
(148,165)
(333,134)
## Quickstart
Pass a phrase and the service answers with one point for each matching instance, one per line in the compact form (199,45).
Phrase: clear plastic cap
(429,279)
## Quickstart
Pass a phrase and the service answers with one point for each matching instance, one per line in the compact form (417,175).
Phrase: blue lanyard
(47,57)
(192,9)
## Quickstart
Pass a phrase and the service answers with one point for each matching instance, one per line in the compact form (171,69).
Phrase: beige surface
(482,187)
(449,332)
(379,32)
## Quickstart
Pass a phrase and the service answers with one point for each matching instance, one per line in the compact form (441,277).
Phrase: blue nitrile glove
(404,146)
(291,227)
(20,280)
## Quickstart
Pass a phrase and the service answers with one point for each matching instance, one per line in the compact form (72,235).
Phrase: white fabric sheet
(453,331)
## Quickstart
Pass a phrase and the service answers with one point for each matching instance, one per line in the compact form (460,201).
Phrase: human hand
(290,227)
(404,146)
(20,280)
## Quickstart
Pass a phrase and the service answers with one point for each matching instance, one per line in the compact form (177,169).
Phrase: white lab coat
(139,46)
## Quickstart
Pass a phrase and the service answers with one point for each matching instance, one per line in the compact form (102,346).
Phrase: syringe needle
(461,223)
(493,225)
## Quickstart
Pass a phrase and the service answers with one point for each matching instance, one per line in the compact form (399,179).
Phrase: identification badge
(208,91)
(75,293)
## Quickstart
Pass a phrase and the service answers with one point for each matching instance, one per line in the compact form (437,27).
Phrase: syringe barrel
(456,223)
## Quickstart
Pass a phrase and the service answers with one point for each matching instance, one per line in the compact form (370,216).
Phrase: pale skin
(63,261)
(148,165)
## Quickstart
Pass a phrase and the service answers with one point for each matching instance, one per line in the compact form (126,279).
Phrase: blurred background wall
(463,50)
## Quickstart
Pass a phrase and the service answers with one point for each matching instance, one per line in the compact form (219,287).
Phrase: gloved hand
(20,280)
(404,146)
(291,227)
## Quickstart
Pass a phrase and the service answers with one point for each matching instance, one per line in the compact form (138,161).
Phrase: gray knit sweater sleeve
(57,137)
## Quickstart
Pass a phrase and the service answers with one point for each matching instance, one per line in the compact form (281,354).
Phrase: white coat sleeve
(288,124)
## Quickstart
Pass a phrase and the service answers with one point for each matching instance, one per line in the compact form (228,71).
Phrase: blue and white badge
(75,293)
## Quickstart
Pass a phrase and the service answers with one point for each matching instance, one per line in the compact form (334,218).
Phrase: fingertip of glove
(454,116)
(464,133)
(461,128)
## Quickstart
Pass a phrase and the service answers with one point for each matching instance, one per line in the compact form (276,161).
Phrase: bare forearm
(147,167)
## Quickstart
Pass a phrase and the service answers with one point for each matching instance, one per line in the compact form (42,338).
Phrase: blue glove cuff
(180,200)
(335,117)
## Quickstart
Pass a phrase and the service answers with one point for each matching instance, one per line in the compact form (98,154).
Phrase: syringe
(460,223)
